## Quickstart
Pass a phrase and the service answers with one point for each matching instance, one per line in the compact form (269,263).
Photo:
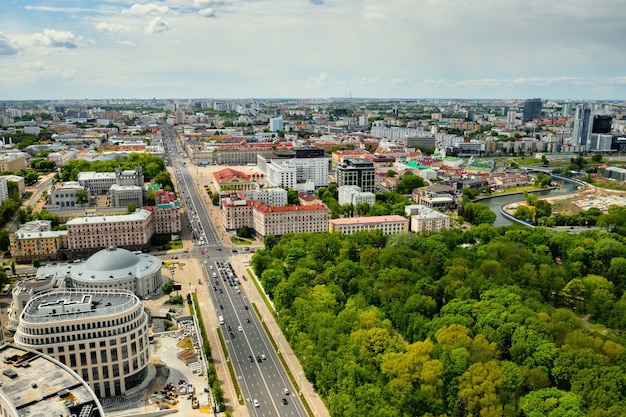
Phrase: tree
(167,288)
(551,402)
(130,208)
(82,197)
(36,263)
(4,240)
(542,180)
(597,158)
(409,182)
(270,241)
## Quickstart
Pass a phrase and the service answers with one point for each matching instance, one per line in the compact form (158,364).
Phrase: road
(264,384)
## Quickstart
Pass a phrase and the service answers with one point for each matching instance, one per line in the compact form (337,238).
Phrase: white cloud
(7,46)
(126,43)
(208,12)
(146,9)
(57,9)
(203,4)
(110,27)
(373,12)
(38,65)
(157,25)
(55,39)
(320,78)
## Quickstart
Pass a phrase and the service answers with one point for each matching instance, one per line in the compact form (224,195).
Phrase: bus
(6,289)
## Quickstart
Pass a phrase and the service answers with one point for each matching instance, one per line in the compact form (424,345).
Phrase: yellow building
(389,225)
(36,240)
(12,162)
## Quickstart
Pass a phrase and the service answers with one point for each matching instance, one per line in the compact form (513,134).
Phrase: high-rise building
(532,109)
(357,172)
(581,125)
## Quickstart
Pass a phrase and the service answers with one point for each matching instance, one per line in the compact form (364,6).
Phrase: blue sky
(57,49)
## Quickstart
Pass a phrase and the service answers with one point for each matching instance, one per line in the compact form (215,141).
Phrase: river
(496,202)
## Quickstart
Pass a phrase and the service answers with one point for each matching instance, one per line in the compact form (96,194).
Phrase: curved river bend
(496,202)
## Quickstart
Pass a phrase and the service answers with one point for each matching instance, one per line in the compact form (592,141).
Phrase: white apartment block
(63,157)
(389,225)
(4,189)
(131,231)
(270,196)
(426,219)
(123,195)
(289,219)
(21,185)
(281,175)
(290,172)
(63,197)
(102,336)
(352,194)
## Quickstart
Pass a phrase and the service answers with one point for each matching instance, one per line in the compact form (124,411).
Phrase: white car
(239,329)
(256,403)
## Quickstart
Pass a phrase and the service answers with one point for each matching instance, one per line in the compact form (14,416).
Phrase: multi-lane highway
(264,383)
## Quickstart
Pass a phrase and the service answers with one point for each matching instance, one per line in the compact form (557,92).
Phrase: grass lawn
(608,184)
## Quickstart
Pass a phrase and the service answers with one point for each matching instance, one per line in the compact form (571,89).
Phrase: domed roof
(111,259)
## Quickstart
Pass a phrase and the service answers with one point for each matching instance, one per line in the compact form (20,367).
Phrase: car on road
(285,402)
(258,359)
(250,358)
(239,329)
(285,391)
(247,320)
(232,335)
(263,356)
(256,403)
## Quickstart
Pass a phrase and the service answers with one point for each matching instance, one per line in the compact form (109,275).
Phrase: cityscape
(181,254)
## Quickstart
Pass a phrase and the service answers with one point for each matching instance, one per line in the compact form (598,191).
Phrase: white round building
(117,268)
(100,335)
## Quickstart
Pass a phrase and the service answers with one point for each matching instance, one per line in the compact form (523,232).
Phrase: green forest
(488,321)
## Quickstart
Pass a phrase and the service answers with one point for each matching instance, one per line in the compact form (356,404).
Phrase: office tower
(601,123)
(532,109)
(567,109)
(581,125)
(357,172)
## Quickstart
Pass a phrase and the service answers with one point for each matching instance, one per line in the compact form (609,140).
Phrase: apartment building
(36,240)
(271,196)
(100,335)
(12,162)
(351,194)
(426,219)
(440,197)
(165,218)
(4,190)
(288,219)
(86,235)
(35,384)
(21,185)
(389,225)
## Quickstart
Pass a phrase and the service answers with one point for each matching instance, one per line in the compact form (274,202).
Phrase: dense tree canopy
(484,322)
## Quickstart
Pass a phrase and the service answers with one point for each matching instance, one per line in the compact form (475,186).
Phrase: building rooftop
(39,386)
(265,208)
(139,215)
(59,305)
(368,220)
(228,174)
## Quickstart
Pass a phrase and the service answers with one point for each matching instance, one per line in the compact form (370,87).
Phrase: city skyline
(311,48)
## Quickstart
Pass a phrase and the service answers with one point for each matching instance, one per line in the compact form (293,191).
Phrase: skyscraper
(532,109)
(581,125)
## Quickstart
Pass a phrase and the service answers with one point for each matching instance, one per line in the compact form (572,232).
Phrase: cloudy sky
(64,49)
